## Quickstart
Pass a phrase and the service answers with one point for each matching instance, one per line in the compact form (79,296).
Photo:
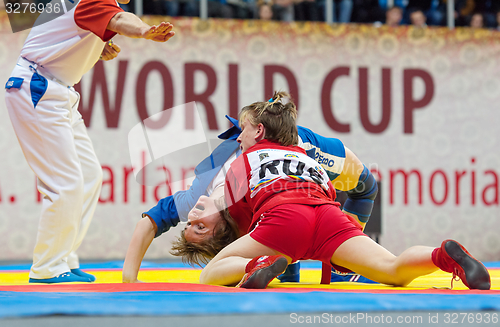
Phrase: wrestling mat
(173,289)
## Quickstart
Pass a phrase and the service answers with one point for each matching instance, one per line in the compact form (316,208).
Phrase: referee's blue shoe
(349,277)
(67,277)
(83,274)
(291,274)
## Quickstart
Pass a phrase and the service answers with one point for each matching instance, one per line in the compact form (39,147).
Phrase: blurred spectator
(283,10)
(153,7)
(496,10)
(368,11)
(415,12)
(417,18)
(218,9)
(393,16)
(265,11)
(437,15)
(488,8)
(464,9)
(477,20)
(435,11)
(191,9)
(463,12)
(423,5)
(412,5)
(161,7)
(243,9)
(342,10)
(171,7)
(215,9)
(306,10)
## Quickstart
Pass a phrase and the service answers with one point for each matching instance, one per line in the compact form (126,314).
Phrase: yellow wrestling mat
(309,278)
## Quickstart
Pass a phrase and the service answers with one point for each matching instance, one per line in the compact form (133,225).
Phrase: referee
(43,109)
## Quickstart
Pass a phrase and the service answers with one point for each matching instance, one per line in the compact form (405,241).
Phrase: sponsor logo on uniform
(262,156)
(290,155)
(322,160)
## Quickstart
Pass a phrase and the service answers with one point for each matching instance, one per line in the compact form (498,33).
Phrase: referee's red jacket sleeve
(94,16)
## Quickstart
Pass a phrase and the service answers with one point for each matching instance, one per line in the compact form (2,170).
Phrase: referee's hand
(110,51)
(159,33)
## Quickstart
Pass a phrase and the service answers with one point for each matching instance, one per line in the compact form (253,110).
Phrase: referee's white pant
(55,143)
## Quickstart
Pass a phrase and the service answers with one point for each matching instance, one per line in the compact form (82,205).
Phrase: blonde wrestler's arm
(142,237)
(144,234)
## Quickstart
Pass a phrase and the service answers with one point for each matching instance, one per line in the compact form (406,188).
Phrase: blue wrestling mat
(172,289)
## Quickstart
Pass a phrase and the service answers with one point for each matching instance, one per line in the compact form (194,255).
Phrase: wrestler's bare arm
(144,234)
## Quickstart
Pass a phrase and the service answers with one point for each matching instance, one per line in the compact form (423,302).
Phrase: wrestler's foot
(454,258)
(349,277)
(291,274)
(66,277)
(260,271)
(83,274)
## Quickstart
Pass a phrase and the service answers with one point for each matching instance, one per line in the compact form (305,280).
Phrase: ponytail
(278,118)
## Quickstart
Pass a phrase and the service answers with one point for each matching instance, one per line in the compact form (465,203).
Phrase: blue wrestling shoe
(66,277)
(338,276)
(83,274)
(291,274)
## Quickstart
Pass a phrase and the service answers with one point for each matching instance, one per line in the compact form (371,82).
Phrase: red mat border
(188,287)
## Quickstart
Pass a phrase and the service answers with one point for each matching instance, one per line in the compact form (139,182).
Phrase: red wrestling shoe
(454,258)
(260,271)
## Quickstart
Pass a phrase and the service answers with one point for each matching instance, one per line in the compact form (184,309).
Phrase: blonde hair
(278,118)
(224,233)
